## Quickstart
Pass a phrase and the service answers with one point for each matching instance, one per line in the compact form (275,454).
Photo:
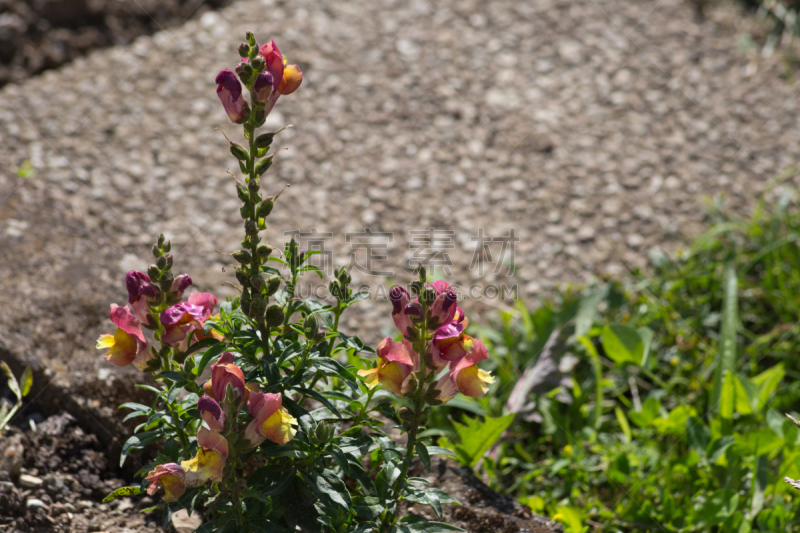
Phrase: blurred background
(523,148)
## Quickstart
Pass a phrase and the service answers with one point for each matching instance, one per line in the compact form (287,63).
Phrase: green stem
(423,377)
(255,264)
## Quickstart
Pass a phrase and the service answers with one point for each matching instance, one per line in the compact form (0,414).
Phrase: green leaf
(208,355)
(768,381)
(121,492)
(438,450)
(675,423)
(622,344)
(623,424)
(646,335)
(760,481)
(477,437)
(727,397)
(649,412)
(726,351)
(137,442)
(572,518)
(697,435)
(26,381)
(328,488)
(12,381)
(422,452)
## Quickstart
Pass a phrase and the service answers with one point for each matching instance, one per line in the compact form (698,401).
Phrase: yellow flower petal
(279,428)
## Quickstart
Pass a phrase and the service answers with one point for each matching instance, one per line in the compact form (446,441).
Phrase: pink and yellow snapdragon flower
(450,347)
(127,345)
(270,420)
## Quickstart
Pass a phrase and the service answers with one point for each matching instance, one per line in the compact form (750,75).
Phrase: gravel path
(593,129)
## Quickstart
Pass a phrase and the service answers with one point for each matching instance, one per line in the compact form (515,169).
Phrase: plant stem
(422,376)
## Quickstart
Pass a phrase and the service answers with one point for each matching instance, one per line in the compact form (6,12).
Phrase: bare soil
(57,476)
(37,35)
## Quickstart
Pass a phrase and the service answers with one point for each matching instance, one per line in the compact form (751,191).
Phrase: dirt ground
(57,477)
(37,35)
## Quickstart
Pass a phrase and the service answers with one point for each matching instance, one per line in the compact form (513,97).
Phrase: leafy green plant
(284,436)
(19,390)
(655,404)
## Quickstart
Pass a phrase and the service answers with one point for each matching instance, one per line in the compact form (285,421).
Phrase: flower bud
(245,72)
(243,256)
(265,207)
(428,295)
(423,274)
(161,240)
(416,288)
(261,117)
(166,281)
(258,63)
(263,165)
(242,278)
(275,315)
(406,414)
(310,323)
(264,140)
(251,227)
(154,272)
(263,86)
(251,39)
(242,192)
(263,251)
(343,276)
(244,50)
(253,185)
(161,263)
(244,211)
(273,283)
(245,299)
(322,433)
(167,246)
(257,307)
(239,152)
(169,259)
(156,251)
(336,289)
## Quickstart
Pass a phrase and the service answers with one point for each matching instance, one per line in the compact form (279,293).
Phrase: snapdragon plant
(260,425)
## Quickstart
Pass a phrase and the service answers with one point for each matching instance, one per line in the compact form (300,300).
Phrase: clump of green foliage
(656,405)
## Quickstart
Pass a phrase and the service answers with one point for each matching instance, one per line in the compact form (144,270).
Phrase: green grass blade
(726,350)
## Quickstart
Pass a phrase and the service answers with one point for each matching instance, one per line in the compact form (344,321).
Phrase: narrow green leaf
(623,424)
(26,381)
(121,492)
(726,351)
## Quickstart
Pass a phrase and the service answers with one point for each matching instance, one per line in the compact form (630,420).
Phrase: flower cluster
(266,72)
(450,348)
(174,325)
(225,395)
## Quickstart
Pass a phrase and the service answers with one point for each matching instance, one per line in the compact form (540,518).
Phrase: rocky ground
(37,35)
(593,129)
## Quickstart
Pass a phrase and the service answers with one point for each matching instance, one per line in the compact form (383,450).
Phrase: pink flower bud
(212,413)
(223,373)
(229,91)
(263,86)
(180,284)
(140,291)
